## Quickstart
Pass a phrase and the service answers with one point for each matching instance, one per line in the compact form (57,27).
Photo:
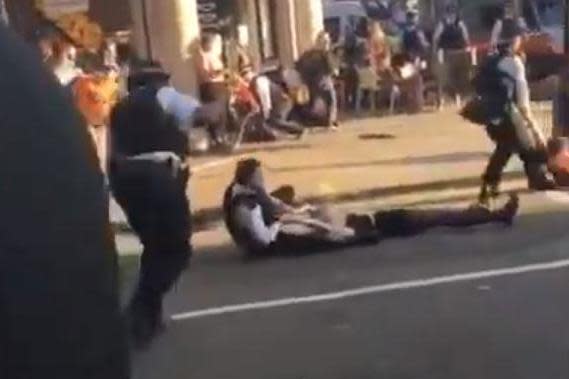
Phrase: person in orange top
(95,95)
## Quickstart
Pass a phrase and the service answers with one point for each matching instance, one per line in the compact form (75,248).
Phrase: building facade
(168,30)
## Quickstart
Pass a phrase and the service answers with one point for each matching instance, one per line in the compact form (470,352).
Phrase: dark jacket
(59,309)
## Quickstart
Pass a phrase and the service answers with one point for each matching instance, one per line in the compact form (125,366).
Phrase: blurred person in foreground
(59,307)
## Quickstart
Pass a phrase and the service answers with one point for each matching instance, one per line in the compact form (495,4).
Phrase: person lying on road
(260,224)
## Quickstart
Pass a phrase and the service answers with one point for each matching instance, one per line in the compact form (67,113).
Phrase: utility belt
(146,163)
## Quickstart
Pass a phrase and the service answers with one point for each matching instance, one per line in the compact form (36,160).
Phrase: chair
(369,81)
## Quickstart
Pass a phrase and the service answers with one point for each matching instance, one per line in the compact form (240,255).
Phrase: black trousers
(153,196)
(403,222)
(513,137)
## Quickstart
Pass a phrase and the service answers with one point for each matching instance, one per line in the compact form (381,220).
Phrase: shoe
(507,214)
(300,136)
(543,185)
(363,227)
(488,192)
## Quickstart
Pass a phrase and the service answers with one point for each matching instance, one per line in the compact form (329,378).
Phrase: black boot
(145,322)
(488,191)
(507,214)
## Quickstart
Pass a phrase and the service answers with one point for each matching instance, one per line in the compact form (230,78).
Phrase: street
(483,302)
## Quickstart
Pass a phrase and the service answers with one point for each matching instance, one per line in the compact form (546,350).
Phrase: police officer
(149,177)
(511,125)
(450,43)
(508,21)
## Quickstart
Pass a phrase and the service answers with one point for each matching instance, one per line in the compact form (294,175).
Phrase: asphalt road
(485,302)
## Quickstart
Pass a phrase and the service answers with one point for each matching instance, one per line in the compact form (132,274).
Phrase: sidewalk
(393,161)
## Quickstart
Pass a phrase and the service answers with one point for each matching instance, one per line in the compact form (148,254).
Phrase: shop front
(278,30)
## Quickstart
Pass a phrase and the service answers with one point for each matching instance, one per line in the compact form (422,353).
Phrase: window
(266,24)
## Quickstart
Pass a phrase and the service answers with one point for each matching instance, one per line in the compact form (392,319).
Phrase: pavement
(483,302)
(396,161)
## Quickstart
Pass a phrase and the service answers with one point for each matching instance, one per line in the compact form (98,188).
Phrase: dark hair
(557,145)
(245,170)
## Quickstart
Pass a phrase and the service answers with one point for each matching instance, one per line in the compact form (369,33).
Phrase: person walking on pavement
(450,47)
(259,223)
(502,84)
(148,177)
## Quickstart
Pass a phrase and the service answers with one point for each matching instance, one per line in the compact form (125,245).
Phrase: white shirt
(514,66)
(181,106)
(252,219)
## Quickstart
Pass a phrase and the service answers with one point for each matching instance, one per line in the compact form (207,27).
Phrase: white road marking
(391,287)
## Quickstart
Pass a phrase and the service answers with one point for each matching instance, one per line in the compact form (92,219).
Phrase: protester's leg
(316,242)
(331,98)
(289,127)
(262,87)
(409,222)
(215,116)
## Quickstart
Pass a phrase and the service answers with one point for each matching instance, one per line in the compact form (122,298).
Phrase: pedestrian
(59,294)
(211,69)
(507,21)
(450,47)
(415,43)
(379,50)
(260,224)
(274,105)
(317,68)
(149,176)
(503,86)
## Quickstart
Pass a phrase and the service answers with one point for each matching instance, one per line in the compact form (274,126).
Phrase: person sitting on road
(260,224)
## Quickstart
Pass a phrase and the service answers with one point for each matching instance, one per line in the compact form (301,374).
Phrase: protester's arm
(495,36)
(252,219)
(465,33)
(437,36)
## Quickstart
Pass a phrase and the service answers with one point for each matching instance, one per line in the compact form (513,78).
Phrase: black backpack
(494,90)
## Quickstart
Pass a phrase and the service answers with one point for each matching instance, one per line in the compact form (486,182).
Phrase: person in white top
(516,131)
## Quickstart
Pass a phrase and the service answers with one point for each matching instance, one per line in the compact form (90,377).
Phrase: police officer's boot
(488,192)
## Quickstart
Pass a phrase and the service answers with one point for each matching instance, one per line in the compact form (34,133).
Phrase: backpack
(412,43)
(492,83)
(452,37)
(494,90)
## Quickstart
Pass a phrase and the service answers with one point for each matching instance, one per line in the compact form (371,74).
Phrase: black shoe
(363,227)
(542,185)
(144,325)
(507,214)
(488,191)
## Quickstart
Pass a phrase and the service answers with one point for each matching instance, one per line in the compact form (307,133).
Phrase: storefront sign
(57,8)
(213,13)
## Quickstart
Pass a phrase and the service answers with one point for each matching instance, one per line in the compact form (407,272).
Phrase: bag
(483,111)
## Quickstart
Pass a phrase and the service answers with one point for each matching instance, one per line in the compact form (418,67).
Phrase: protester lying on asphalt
(260,224)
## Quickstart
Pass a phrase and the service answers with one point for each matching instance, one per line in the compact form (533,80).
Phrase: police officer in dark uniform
(149,177)
(450,43)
